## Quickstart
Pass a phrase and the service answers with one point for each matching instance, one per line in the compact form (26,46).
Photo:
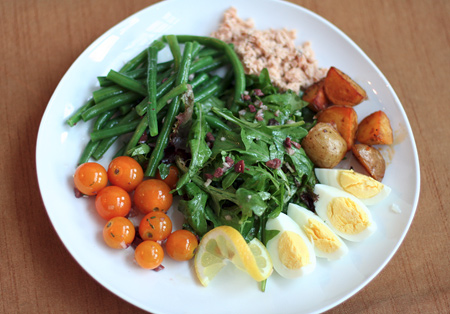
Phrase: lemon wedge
(225,243)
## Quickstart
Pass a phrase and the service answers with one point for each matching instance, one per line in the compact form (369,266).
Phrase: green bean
(206,92)
(105,144)
(214,65)
(136,61)
(77,115)
(101,149)
(213,80)
(165,87)
(199,80)
(174,92)
(225,82)
(87,152)
(92,146)
(175,49)
(201,63)
(124,109)
(120,152)
(163,66)
(103,119)
(115,131)
(110,103)
(196,47)
(167,84)
(163,138)
(104,82)
(216,123)
(239,74)
(151,91)
(107,92)
(208,52)
(129,83)
(141,108)
(134,74)
(140,129)
(113,90)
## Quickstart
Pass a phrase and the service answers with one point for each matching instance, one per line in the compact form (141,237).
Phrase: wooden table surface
(407,39)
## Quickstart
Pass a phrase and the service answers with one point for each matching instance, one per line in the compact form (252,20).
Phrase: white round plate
(176,289)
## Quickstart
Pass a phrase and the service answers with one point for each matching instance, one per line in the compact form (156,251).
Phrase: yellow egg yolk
(323,238)
(347,216)
(358,184)
(292,250)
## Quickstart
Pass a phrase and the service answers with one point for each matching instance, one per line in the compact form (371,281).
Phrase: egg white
(284,223)
(330,177)
(325,195)
(301,216)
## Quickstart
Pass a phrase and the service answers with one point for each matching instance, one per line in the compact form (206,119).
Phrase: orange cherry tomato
(119,232)
(149,254)
(155,226)
(172,179)
(181,245)
(112,202)
(90,177)
(153,195)
(125,172)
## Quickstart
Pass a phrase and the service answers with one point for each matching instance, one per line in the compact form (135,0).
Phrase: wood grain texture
(407,39)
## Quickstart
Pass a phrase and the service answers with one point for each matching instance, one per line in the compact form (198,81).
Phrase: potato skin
(375,129)
(371,159)
(340,89)
(346,121)
(315,96)
(324,145)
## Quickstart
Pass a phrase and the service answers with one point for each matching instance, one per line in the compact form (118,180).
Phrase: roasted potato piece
(371,159)
(324,145)
(375,129)
(340,89)
(345,119)
(315,96)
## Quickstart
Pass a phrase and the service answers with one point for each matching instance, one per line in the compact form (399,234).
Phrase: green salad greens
(247,169)
(235,138)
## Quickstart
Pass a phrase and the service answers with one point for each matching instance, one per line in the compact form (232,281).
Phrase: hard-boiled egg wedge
(346,215)
(326,243)
(365,188)
(290,250)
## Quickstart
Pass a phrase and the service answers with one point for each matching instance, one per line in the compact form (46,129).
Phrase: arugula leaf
(248,229)
(270,234)
(294,131)
(229,179)
(261,82)
(211,102)
(164,170)
(194,209)
(257,151)
(290,99)
(252,130)
(197,144)
(199,149)
(141,149)
(259,179)
(302,164)
(250,201)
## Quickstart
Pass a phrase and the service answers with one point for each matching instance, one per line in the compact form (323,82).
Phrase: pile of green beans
(144,96)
